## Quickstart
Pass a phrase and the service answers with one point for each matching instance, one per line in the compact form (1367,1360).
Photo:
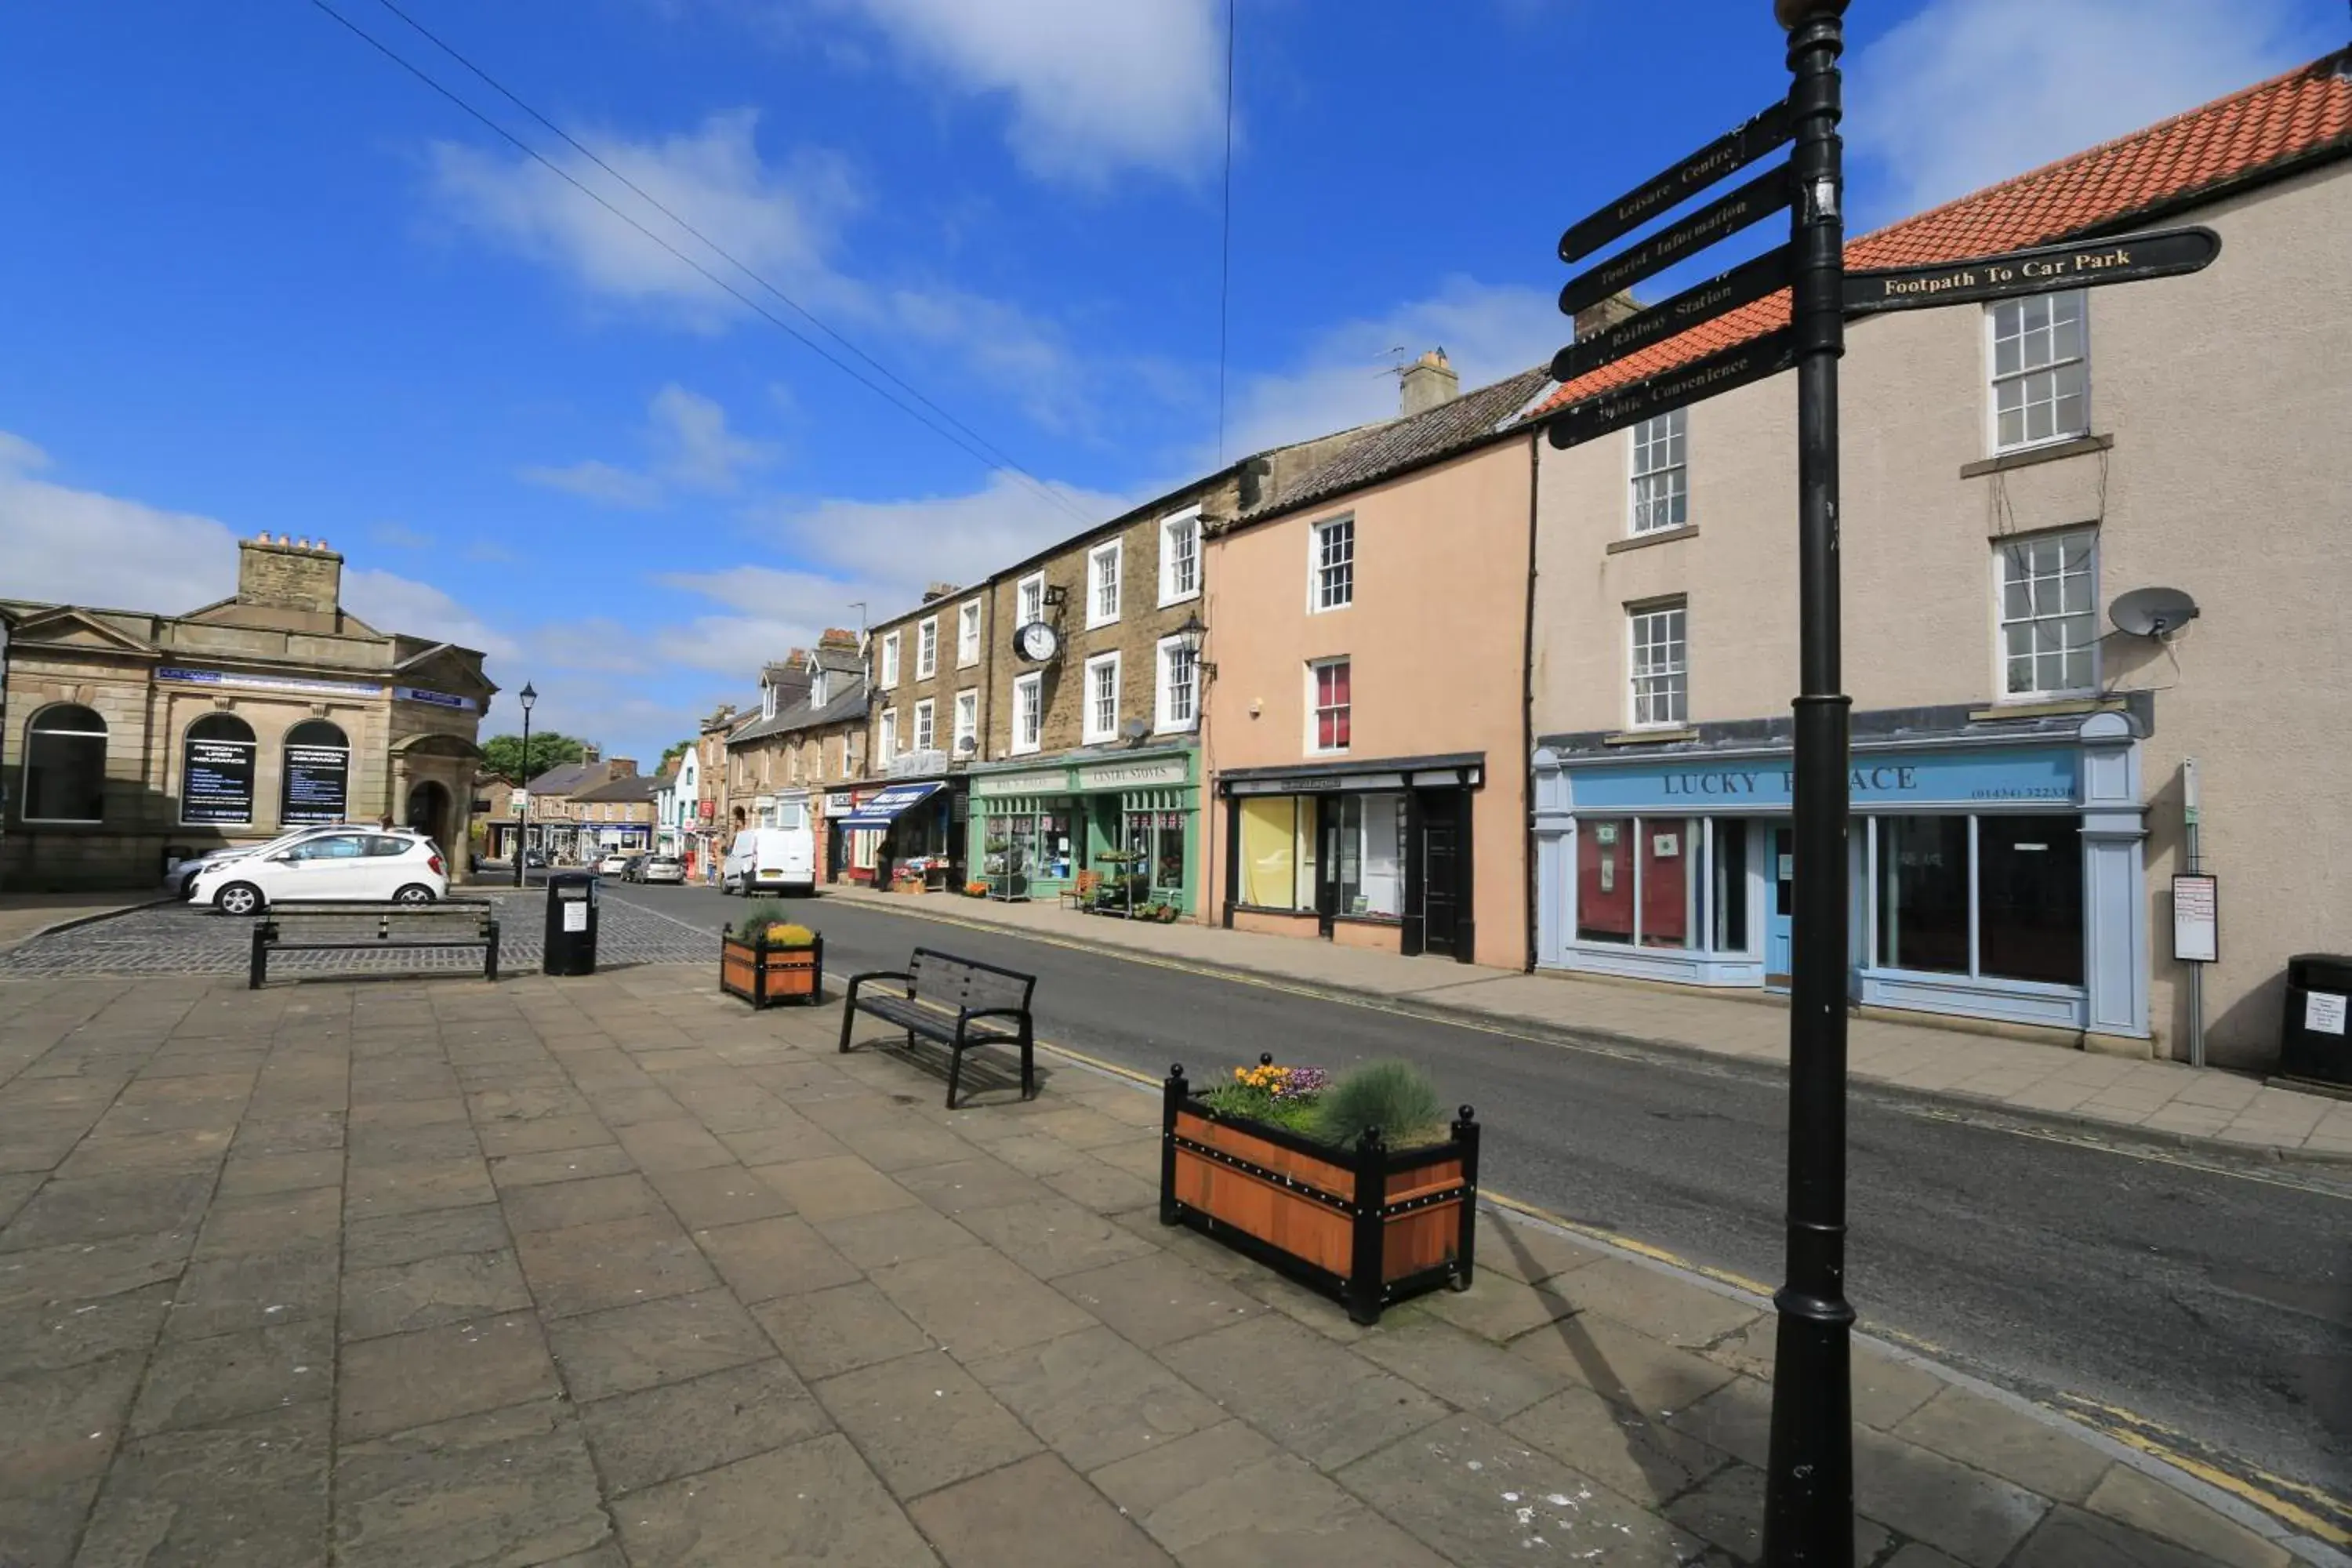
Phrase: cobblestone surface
(181,939)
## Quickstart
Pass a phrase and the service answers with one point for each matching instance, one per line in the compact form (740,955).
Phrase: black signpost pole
(1808,1495)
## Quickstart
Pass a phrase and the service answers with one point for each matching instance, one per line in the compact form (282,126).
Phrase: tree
(502,754)
(670,755)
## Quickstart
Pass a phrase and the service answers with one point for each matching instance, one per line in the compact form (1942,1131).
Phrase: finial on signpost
(1793,14)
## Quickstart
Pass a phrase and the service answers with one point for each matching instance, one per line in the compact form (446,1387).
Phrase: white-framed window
(1102,583)
(967,634)
(927,648)
(1102,698)
(1029,600)
(890,658)
(1180,556)
(1332,564)
(2046,589)
(967,721)
(926,725)
(1028,711)
(1661,475)
(886,738)
(1176,700)
(2039,354)
(1330,704)
(1658,659)
(766,703)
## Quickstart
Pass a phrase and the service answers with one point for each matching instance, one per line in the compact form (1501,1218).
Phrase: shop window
(217,772)
(890,660)
(1180,557)
(1923,893)
(1102,698)
(927,648)
(1659,663)
(967,633)
(1334,562)
(1668,850)
(1604,879)
(1330,683)
(2041,370)
(1102,584)
(2048,614)
(1269,833)
(1028,711)
(926,725)
(1660,477)
(1370,872)
(1158,837)
(2030,899)
(65,766)
(1177,701)
(1730,871)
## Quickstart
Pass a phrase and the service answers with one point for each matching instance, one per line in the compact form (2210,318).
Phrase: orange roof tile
(2284,121)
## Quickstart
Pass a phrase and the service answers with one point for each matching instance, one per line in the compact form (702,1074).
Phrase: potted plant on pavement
(1361,1187)
(770,959)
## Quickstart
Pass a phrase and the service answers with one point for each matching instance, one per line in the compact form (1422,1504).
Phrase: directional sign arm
(2041,269)
(1630,405)
(1732,151)
(1719,295)
(1757,199)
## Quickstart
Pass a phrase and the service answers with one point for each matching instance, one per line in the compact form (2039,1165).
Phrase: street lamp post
(1809,1487)
(522,831)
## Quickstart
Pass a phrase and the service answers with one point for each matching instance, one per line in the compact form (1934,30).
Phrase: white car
(662,868)
(181,879)
(365,865)
(614,863)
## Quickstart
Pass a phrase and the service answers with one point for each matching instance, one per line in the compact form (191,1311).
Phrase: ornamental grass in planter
(770,958)
(1361,1187)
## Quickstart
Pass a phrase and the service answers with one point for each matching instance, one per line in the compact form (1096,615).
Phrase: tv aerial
(2152,611)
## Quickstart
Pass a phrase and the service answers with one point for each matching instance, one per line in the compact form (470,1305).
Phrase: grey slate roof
(1470,420)
(563,778)
(627,787)
(800,715)
(838,658)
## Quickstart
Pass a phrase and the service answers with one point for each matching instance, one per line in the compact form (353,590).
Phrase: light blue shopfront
(1997,876)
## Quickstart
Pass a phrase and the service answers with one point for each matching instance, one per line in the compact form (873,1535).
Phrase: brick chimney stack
(1426,383)
(288,576)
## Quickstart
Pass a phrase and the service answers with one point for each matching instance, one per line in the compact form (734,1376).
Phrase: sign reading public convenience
(2043,269)
(1614,410)
(1759,199)
(1724,292)
(1733,149)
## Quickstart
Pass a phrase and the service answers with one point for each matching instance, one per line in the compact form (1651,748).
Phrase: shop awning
(883,808)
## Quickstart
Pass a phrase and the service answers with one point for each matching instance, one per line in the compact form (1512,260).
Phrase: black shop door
(1444,864)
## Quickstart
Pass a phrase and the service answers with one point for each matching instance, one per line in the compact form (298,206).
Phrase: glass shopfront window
(2030,897)
(1371,853)
(1158,837)
(1923,893)
(1604,879)
(1270,858)
(1678,883)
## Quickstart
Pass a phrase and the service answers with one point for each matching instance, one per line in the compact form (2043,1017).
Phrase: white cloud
(777,221)
(391,602)
(81,547)
(1094,87)
(1968,92)
(692,449)
(397,536)
(597,482)
(1344,378)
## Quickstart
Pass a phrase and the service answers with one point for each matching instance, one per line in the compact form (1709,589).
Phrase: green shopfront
(1037,827)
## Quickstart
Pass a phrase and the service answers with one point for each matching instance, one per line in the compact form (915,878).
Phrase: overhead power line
(937,420)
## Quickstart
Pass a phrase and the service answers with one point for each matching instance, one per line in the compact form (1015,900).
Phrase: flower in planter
(975,890)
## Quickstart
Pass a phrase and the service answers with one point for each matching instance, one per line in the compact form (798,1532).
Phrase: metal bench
(451,924)
(958,1002)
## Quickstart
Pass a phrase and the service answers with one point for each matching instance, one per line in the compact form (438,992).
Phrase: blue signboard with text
(1987,777)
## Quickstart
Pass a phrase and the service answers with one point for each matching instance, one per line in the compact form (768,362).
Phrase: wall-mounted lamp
(1191,637)
(1055,595)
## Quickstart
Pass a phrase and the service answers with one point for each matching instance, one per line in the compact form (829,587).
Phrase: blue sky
(262,278)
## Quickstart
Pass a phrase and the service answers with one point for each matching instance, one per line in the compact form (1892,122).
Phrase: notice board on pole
(2196,920)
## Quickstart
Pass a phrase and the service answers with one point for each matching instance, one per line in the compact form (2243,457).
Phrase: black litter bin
(571,940)
(2313,1038)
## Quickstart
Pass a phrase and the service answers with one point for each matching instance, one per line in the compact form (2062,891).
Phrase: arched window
(65,766)
(316,780)
(216,773)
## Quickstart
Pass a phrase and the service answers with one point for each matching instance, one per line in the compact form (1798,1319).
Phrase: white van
(770,860)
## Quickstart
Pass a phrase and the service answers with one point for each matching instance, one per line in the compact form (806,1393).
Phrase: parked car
(613,864)
(182,880)
(661,868)
(534,859)
(770,860)
(634,871)
(367,865)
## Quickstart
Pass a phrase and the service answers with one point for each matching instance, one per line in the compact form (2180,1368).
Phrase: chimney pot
(1426,383)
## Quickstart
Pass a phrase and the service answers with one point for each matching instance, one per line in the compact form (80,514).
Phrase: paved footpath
(612,1270)
(2162,1100)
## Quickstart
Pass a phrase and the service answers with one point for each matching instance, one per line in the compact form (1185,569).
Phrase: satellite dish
(1135,728)
(2152,611)
(968,744)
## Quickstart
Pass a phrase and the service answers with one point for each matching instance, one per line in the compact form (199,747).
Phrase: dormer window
(767,702)
(817,678)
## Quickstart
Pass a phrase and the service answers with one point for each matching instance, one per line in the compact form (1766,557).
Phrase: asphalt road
(2215,1301)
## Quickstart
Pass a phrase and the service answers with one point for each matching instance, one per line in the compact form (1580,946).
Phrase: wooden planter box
(1370,1225)
(764,976)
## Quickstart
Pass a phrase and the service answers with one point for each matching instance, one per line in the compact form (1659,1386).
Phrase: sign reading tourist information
(318,785)
(2043,270)
(1724,292)
(1759,199)
(217,782)
(1630,405)
(1733,150)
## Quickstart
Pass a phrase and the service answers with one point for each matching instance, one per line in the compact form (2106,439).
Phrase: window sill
(1181,599)
(2025,458)
(1350,919)
(1097,625)
(1648,737)
(2047,708)
(1655,536)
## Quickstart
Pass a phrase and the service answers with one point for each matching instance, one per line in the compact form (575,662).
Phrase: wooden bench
(341,927)
(959,1002)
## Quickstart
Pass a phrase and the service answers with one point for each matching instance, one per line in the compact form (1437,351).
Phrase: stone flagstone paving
(612,1270)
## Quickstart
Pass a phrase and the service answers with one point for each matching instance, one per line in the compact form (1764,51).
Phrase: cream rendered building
(2009,471)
